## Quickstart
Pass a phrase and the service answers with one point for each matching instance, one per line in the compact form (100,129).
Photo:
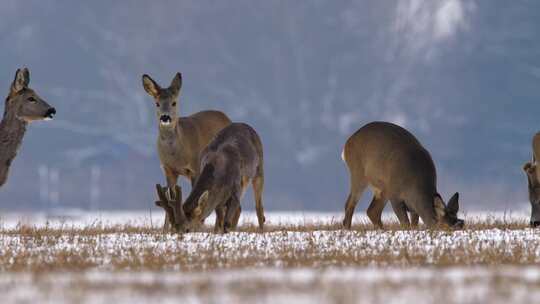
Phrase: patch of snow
(155,218)
(333,285)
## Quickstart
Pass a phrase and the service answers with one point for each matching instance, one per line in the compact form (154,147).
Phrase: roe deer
(181,139)
(23,106)
(398,168)
(232,161)
(533,181)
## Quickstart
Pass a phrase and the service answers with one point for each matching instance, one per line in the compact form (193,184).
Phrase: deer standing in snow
(533,180)
(398,168)
(230,163)
(180,139)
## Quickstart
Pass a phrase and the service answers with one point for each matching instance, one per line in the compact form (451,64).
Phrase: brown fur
(230,163)
(536,146)
(533,181)
(180,143)
(22,106)
(398,168)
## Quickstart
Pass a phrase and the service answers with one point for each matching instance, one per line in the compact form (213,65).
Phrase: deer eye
(31,99)
(157,104)
(174,104)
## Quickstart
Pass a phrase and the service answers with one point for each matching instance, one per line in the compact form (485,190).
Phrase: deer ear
(21,81)
(201,205)
(176,84)
(438,204)
(529,168)
(150,86)
(453,204)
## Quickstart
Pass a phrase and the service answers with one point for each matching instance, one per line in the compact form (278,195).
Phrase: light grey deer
(23,105)
(398,168)
(533,181)
(180,139)
(232,161)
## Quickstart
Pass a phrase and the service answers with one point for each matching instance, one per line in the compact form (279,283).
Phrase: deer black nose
(50,113)
(535,224)
(165,118)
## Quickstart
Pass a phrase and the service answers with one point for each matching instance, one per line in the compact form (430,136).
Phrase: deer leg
(220,219)
(358,185)
(401,211)
(167,226)
(172,189)
(172,179)
(258,187)
(163,202)
(237,217)
(375,209)
(414,219)
(232,205)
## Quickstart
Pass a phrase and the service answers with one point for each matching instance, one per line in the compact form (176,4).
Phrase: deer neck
(170,134)
(12,130)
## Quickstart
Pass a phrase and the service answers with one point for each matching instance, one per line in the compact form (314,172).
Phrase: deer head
(24,102)
(447,214)
(165,99)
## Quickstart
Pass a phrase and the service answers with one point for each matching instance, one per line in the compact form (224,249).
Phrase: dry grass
(492,260)
(97,228)
(131,247)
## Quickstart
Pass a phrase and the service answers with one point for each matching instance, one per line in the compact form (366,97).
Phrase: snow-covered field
(302,258)
(272,285)
(149,218)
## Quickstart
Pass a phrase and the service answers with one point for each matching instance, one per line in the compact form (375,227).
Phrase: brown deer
(180,139)
(398,168)
(232,161)
(23,105)
(533,180)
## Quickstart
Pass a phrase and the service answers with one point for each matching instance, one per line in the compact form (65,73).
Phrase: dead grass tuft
(132,247)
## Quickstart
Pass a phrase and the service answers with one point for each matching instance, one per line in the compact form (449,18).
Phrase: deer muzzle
(50,113)
(458,224)
(165,120)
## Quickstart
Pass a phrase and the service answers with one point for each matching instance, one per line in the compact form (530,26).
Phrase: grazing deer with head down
(398,168)
(232,161)
(23,105)
(533,180)
(180,139)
